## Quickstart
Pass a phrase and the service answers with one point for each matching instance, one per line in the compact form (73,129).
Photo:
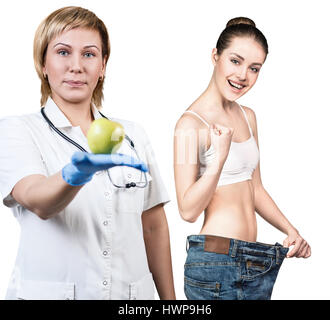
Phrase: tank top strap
(246,119)
(198,116)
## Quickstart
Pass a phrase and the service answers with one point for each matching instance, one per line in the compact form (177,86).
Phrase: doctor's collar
(58,118)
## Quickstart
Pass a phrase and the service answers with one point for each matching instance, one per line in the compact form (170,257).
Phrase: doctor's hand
(301,248)
(83,166)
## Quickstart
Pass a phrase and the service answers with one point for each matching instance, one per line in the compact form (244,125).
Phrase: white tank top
(242,159)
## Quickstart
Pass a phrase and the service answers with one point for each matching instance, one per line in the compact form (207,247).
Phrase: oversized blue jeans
(230,269)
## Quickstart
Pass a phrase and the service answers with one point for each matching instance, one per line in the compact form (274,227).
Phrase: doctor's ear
(44,72)
(214,56)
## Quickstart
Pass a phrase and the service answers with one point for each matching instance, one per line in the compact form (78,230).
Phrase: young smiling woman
(216,166)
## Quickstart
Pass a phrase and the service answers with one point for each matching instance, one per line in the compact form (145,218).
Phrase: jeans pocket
(256,266)
(201,290)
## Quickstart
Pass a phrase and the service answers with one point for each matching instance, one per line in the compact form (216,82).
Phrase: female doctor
(92,226)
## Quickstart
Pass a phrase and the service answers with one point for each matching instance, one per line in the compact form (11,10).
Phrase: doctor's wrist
(72,176)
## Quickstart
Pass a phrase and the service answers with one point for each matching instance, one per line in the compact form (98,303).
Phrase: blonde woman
(217,171)
(92,226)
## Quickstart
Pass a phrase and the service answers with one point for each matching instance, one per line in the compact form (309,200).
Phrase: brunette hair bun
(240,20)
(240,27)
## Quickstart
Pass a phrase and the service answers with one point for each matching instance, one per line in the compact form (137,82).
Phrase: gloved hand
(83,166)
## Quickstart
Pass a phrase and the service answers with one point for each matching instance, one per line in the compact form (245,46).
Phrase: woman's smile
(237,87)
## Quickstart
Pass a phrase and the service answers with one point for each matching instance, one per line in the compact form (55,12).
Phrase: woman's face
(237,68)
(74,64)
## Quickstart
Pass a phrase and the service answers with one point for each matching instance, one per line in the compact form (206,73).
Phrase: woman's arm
(157,242)
(268,210)
(45,196)
(194,195)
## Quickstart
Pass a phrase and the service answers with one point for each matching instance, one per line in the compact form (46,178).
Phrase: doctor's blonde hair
(63,19)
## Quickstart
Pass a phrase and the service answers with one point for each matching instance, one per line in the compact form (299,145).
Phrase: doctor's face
(237,68)
(74,64)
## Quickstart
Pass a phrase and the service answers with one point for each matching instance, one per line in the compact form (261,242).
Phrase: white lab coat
(94,248)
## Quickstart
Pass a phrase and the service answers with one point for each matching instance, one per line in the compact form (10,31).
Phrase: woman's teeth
(235,85)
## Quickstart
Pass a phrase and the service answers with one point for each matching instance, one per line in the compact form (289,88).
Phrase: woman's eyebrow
(254,63)
(91,46)
(67,45)
(62,44)
(237,55)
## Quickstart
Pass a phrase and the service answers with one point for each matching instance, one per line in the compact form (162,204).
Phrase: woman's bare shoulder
(251,118)
(189,120)
(248,110)
(250,114)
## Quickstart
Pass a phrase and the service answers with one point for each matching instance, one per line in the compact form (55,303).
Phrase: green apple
(105,136)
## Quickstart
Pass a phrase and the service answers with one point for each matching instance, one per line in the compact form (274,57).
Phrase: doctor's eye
(89,54)
(63,52)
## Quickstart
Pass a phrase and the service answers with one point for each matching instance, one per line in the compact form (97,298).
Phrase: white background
(160,62)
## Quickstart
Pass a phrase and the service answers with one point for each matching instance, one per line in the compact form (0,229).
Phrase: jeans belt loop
(234,249)
(187,245)
(277,255)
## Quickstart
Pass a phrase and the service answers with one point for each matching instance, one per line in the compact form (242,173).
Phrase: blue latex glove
(83,166)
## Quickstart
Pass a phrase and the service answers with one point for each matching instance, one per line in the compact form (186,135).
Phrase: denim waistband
(235,247)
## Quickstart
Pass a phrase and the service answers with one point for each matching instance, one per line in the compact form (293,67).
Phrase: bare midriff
(231,212)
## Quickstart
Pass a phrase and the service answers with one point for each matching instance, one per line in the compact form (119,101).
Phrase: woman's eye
(234,61)
(255,70)
(63,53)
(89,54)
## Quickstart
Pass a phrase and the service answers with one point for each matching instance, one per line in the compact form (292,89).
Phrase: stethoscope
(131,144)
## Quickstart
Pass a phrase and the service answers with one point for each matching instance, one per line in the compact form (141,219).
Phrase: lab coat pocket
(130,200)
(142,289)
(44,290)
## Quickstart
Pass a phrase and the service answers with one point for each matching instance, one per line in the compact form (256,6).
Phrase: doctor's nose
(76,65)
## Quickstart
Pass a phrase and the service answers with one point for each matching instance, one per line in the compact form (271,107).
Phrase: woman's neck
(214,100)
(79,114)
